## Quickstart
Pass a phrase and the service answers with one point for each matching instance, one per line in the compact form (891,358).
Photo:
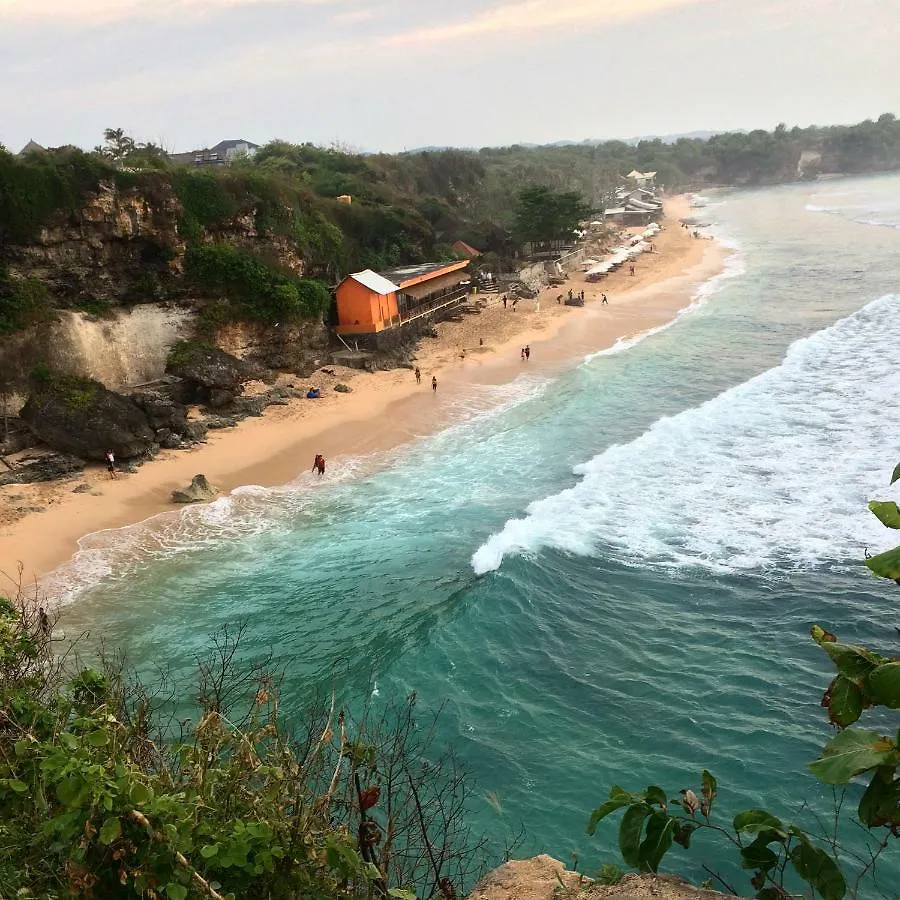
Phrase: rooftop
(407,275)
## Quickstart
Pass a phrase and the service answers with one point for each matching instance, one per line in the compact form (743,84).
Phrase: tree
(542,214)
(768,847)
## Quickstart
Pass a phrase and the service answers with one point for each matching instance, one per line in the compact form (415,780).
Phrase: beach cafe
(369,303)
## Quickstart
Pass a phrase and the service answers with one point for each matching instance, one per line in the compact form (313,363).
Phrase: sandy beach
(41,524)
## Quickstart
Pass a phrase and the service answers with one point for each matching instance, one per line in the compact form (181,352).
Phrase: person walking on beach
(582,297)
(111,464)
(527,352)
(319,464)
(559,299)
(632,270)
(570,293)
(604,301)
(434,383)
(418,376)
(522,354)
(504,301)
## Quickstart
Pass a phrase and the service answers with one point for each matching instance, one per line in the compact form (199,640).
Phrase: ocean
(604,577)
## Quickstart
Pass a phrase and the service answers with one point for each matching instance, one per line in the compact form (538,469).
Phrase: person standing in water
(418,376)
(319,464)
(434,383)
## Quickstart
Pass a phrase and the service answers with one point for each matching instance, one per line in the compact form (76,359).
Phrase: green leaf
(111,830)
(886,565)
(18,786)
(617,799)
(208,851)
(880,804)
(401,894)
(176,891)
(755,820)
(660,833)
(69,790)
(656,795)
(140,794)
(844,701)
(884,685)
(851,661)
(850,753)
(98,738)
(630,833)
(817,868)
(710,787)
(886,511)
(896,473)
(758,855)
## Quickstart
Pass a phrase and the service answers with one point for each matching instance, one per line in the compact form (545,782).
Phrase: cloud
(523,16)
(92,12)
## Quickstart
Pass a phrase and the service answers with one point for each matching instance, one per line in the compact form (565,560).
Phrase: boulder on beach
(210,375)
(198,491)
(79,416)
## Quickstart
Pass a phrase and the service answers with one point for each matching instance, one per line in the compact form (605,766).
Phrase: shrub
(23,302)
(259,290)
(104,793)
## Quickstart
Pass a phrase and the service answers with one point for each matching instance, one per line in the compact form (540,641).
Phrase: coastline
(385,409)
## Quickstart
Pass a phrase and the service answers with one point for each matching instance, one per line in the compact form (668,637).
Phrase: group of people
(526,353)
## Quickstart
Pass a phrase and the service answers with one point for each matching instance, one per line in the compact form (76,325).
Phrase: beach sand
(40,525)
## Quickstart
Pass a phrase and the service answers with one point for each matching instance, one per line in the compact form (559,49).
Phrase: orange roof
(465,249)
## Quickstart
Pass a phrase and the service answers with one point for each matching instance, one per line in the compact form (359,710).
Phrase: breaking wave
(774,472)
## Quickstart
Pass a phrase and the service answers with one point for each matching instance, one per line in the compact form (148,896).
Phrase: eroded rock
(198,491)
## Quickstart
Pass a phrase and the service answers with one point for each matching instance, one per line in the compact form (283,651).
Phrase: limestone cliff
(114,295)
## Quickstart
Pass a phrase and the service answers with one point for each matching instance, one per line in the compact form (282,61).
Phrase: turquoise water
(608,576)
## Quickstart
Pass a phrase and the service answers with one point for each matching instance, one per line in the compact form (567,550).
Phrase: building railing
(429,306)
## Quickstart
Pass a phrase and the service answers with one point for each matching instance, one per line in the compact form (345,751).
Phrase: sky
(399,74)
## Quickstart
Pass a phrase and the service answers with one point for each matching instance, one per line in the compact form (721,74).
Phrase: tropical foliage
(112,788)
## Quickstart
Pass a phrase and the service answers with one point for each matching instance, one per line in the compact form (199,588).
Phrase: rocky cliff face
(545,878)
(113,271)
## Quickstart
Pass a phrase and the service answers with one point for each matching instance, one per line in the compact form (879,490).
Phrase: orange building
(369,303)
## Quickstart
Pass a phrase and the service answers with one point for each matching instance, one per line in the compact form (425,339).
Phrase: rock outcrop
(198,491)
(81,417)
(209,375)
(545,878)
(48,468)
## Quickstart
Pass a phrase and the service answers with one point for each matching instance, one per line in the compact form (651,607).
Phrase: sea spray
(772,473)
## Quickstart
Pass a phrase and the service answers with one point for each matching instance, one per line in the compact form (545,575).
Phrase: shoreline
(385,411)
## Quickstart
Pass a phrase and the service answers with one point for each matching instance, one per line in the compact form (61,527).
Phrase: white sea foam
(775,472)
(251,510)
(735,265)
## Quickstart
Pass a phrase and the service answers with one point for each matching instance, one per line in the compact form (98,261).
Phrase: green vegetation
(259,290)
(405,208)
(107,791)
(74,391)
(542,215)
(778,855)
(23,302)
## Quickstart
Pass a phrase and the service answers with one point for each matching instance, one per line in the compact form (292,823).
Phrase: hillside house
(222,154)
